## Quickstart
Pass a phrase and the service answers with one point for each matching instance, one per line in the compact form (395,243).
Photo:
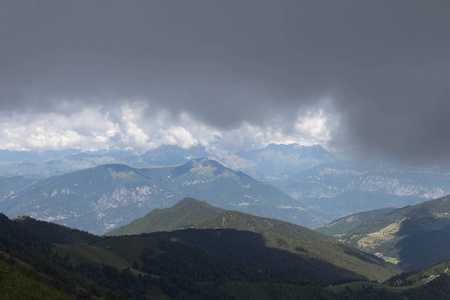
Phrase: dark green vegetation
(129,267)
(17,283)
(422,276)
(56,234)
(40,260)
(287,259)
(429,283)
(415,236)
(108,196)
(279,245)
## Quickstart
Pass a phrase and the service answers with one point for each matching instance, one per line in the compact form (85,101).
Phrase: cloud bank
(366,75)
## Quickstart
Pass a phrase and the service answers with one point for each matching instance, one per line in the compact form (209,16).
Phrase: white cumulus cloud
(139,127)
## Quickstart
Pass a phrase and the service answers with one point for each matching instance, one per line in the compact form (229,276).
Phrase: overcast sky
(372,76)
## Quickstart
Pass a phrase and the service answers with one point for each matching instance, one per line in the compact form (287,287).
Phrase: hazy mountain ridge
(104,197)
(318,180)
(259,163)
(11,185)
(339,189)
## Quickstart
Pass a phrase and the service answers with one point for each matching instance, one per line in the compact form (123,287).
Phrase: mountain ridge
(104,197)
(195,214)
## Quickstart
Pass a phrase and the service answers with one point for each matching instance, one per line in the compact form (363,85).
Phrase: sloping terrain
(345,224)
(192,213)
(255,239)
(194,264)
(11,185)
(182,215)
(415,236)
(317,261)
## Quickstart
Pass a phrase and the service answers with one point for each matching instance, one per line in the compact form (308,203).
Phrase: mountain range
(316,178)
(104,197)
(341,188)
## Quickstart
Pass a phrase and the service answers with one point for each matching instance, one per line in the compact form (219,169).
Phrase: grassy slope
(182,215)
(16,284)
(241,221)
(191,213)
(302,244)
(346,224)
(360,285)
(270,291)
(416,235)
(405,282)
(409,278)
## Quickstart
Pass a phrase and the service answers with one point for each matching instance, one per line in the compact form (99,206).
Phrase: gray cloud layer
(384,65)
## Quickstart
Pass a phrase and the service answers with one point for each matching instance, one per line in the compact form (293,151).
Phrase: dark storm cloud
(384,64)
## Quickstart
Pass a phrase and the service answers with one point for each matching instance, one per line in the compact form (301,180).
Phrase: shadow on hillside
(251,248)
(421,249)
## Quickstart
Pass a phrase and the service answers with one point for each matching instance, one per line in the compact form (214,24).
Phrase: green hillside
(317,261)
(192,213)
(421,276)
(415,237)
(184,214)
(429,283)
(314,252)
(191,264)
(241,221)
(345,224)
(56,234)
(17,284)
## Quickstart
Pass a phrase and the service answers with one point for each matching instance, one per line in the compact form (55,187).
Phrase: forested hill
(192,213)
(184,214)
(186,264)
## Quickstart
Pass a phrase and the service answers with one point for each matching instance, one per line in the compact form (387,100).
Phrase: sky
(371,77)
